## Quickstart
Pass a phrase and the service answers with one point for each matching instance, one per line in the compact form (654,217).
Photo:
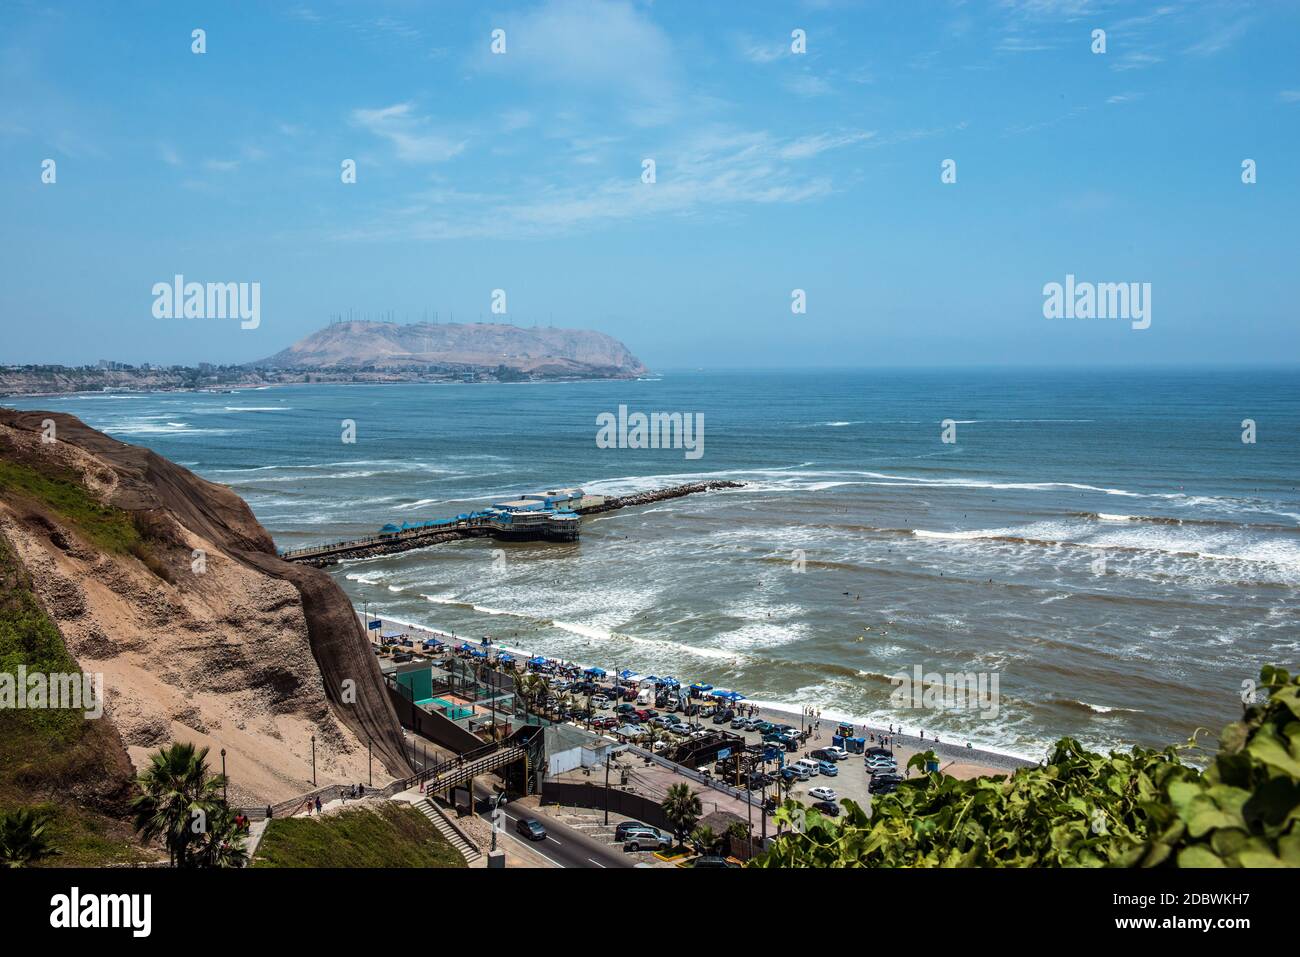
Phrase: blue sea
(1104,542)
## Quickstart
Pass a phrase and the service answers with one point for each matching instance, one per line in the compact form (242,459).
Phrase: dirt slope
(253,654)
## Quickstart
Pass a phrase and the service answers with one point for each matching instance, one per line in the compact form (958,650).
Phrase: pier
(488,524)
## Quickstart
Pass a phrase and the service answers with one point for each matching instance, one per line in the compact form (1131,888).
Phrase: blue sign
(724,754)
(374,625)
(771,754)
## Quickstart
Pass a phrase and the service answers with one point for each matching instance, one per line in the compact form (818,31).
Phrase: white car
(812,767)
(823,794)
(836,753)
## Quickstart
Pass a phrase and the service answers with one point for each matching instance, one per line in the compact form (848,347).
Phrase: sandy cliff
(243,652)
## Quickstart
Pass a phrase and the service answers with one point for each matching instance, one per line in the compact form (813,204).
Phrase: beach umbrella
(538,660)
(595,672)
(625,674)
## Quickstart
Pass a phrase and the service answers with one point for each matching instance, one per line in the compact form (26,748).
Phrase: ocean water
(1104,543)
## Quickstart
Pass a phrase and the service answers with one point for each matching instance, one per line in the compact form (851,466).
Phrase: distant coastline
(55,380)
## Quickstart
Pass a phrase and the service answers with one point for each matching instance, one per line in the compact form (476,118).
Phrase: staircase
(449,831)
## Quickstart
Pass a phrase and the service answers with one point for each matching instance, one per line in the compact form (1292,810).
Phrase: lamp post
(223,774)
(313,760)
(607,757)
(495,805)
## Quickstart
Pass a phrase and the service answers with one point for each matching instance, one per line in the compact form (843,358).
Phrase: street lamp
(313,760)
(496,804)
(223,774)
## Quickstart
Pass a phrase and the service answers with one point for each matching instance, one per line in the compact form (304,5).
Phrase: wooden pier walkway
(374,545)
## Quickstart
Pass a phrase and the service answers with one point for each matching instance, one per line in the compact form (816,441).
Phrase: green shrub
(1145,808)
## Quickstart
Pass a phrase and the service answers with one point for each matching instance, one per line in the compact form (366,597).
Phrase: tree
(737,833)
(179,799)
(705,840)
(1144,808)
(682,808)
(22,838)
(223,843)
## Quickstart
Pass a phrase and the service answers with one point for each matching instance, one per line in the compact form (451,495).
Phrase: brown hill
(472,347)
(251,654)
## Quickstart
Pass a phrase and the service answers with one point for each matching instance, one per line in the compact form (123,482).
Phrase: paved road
(564,846)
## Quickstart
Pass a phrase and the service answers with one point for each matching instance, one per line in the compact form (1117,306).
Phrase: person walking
(317,805)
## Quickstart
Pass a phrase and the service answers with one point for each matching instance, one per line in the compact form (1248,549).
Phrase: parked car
(764,727)
(621,832)
(751,724)
(530,829)
(650,838)
(792,772)
(812,767)
(712,861)
(833,753)
(599,701)
(828,808)
(722,717)
(625,708)
(828,768)
(738,722)
(823,794)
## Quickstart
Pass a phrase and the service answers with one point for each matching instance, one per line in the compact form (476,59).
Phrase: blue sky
(775,171)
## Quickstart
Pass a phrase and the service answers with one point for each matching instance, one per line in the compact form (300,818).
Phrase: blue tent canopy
(595,672)
(670,682)
(478,654)
(729,695)
(537,660)
(433,643)
(505,656)
(625,674)
(465,646)
(697,687)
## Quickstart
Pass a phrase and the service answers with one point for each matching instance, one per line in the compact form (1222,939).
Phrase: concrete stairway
(448,830)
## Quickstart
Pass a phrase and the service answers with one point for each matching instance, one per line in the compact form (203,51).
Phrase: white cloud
(714,170)
(806,84)
(601,47)
(410,134)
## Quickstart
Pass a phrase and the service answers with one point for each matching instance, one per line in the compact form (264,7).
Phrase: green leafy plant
(1145,808)
(682,809)
(22,838)
(180,801)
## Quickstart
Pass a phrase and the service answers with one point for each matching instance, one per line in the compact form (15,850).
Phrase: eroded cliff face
(201,632)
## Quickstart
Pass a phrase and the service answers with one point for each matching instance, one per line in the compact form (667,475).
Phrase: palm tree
(223,843)
(682,808)
(178,800)
(704,839)
(22,838)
